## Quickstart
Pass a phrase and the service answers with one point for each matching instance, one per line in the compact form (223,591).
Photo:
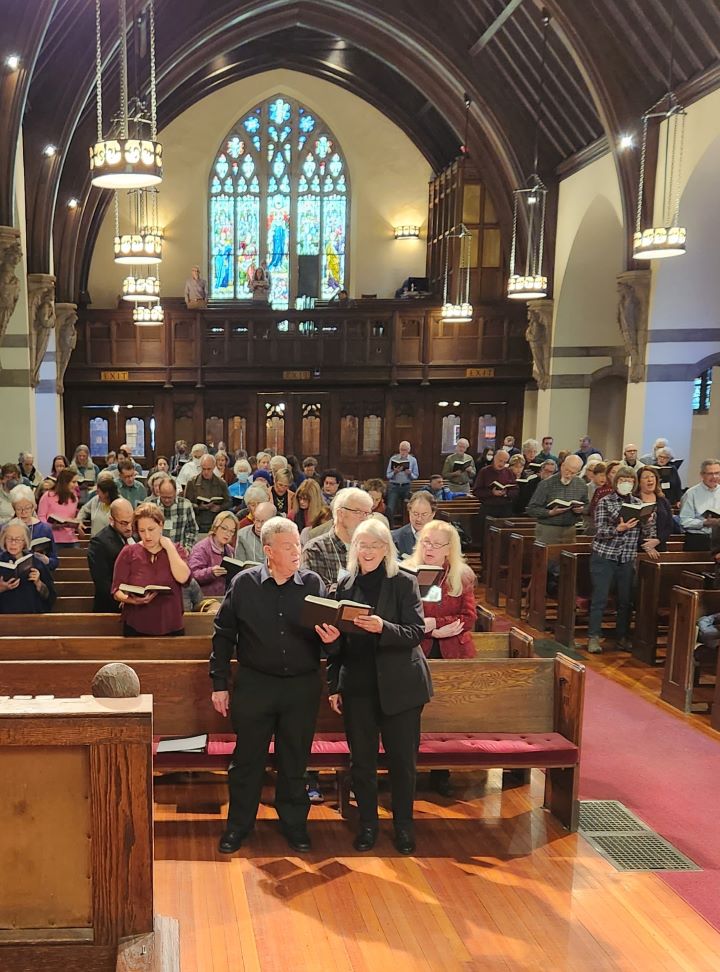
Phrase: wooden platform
(495,885)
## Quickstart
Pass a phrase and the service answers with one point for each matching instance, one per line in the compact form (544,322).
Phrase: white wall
(388,178)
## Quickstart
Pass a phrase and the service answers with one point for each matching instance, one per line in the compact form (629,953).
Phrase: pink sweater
(203,557)
(50,504)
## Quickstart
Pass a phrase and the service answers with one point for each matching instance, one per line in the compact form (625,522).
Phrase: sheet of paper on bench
(324,610)
(142,591)
(187,744)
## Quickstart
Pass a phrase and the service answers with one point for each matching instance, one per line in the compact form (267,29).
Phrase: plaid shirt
(610,544)
(180,523)
(326,555)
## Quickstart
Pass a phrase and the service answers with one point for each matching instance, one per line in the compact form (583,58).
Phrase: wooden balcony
(369,341)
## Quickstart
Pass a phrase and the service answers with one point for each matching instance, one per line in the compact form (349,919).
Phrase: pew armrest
(569,698)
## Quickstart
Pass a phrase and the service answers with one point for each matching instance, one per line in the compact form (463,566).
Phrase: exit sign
(479,372)
(114,376)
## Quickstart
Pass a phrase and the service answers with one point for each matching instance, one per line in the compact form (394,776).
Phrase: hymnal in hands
(142,591)
(426,574)
(16,568)
(325,610)
(636,511)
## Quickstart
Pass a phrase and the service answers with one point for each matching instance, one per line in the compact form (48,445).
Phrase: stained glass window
(279,191)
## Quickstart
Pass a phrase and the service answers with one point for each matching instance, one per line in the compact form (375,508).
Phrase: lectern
(76,846)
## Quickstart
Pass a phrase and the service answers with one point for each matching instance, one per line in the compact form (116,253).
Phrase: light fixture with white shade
(130,157)
(407,232)
(141,286)
(148,315)
(665,237)
(460,310)
(140,240)
(527,280)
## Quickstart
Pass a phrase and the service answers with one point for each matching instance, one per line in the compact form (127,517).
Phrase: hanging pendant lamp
(125,160)
(460,310)
(140,240)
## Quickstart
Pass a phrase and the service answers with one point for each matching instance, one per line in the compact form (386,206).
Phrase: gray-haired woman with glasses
(379,680)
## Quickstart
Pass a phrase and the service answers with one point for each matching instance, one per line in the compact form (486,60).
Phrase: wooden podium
(76,841)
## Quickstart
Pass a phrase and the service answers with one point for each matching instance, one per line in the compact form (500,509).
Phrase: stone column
(633,315)
(10,254)
(41,309)
(65,340)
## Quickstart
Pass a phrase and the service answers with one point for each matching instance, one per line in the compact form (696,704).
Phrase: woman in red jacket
(449,607)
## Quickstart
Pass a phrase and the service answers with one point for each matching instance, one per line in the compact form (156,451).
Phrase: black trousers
(365,722)
(696,541)
(264,706)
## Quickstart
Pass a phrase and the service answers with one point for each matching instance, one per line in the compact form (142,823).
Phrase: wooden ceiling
(413,59)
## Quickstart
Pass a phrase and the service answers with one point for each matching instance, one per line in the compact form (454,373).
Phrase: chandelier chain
(153,89)
(681,151)
(641,184)
(122,17)
(98,72)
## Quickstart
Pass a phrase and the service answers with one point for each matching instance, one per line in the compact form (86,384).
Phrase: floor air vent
(625,841)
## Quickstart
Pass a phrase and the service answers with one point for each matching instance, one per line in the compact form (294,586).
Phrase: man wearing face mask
(9,479)
(557,525)
(614,550)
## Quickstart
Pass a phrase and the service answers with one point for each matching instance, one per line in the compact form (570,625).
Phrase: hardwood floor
(495,884)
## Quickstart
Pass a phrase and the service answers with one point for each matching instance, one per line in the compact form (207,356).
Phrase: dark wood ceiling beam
(653,67)
(685,19)
(494,27)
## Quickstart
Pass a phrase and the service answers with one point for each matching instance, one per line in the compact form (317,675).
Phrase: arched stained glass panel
(278,191)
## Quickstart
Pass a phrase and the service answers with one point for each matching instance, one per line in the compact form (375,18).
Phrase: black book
(41,545)
(233,566)
(400,465)
(460,465)
(16,568)
(208,500)
(496,485)
(527,479)
(426,575)
(325,610)
(561,504)
(677,462)
(636,511)
(142,591)
(537,466)
(185,744)
(710,513)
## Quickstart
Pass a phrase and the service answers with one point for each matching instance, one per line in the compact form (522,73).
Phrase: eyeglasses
(434,546)
(24,509)
(371,547)
(361,513)
(423,516)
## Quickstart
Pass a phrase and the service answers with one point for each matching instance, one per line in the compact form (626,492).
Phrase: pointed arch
(279,192)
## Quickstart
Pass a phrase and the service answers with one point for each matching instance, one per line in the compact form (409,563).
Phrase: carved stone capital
(65,340)
(539,336)
(10,254)
(41,311)
(633,312)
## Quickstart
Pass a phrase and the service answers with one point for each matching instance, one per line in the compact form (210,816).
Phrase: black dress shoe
(365,839)
(404,841)
(231,841)
(298,840)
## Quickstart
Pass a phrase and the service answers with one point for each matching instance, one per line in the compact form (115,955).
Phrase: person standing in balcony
(196,295)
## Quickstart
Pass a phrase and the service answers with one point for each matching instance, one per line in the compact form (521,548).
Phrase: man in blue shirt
(402,469)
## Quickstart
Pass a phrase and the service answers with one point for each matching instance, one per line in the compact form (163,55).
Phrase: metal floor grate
(625,841)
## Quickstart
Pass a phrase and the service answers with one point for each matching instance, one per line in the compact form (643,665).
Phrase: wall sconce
(407,232)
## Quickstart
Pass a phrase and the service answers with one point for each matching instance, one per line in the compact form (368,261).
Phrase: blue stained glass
(308,227)
(234,168)
(335,166)
(252,124)
(328,184)
(272,184)
(248,240)
(215,185)
(279,111)
(287,151)
(333,232)
(285,184)
(302,184)
(278,165)
(235,147)
(301,142)
(309,166)
(278,257)
(315,184)
(323,146)
(273,133)
(222,232)
(256,142)
(307,123)
(242,185)
(340,185)
(254,185)
(270,151)
(248,166)
(221,166)
(228,186)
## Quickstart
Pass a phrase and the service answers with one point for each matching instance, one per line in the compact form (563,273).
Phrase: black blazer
(404,539)
(403,676)
(103,550)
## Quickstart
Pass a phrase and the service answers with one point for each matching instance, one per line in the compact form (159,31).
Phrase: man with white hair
(208,494)
(278,692)
(191,469)
(651,458)
(196,293)
(558,524)
(402,469)
(460,463)
(630,454)
(327,554)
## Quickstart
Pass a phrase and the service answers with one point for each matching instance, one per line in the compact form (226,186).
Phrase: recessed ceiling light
(626,141)
(12,61)
(50,150)
(73,203)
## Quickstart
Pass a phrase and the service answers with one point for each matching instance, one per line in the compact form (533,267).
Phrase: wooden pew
(575,583)
(678,684)
(519,697)
(496,556)
(80,625)
(655,582)
(84,588)
(515,522)
(506,644)
(72,573)
(108,647)
(73,605)
(541,556)
(518,575)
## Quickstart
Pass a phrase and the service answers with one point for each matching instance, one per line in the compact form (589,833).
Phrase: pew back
(86,625)
(686,608)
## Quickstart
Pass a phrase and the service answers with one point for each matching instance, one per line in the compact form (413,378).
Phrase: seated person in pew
(23,503)
(614,551)
(96,512)
(437,488)
(29,589)
(380,681)
(103,551)
(278,691)
(155,560)
(449,607)
(249,544)
(649,490)
(205,559)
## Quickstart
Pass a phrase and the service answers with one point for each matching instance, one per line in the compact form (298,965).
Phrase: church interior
(308,228)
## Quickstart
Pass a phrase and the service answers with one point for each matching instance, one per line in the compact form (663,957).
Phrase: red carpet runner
(665,772)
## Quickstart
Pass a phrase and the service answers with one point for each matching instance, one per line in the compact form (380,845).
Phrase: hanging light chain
(122,17)
(98,72)
(153,88)
(680,120)
(641,184)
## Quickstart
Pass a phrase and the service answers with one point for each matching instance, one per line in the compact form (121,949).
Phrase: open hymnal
(537,466)
(234,566)
(185,744)
(636,511)
(207,500)
(63,520)
(400,465)
(460,465)
(16,568)
(325,610)
(142,591)
(496,485)
(426,575)
(709,513)
(561,504)
(527,479)
(41,545)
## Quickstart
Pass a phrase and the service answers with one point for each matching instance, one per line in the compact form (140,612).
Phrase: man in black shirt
(277,689)
(103,550)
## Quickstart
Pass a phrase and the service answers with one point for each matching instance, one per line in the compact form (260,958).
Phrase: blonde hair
(283,476)
(459,573)
(375,530)
(309,488)
(220,518)
(277,463)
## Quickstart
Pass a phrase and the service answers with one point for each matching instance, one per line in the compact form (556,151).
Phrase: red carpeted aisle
(663,770)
